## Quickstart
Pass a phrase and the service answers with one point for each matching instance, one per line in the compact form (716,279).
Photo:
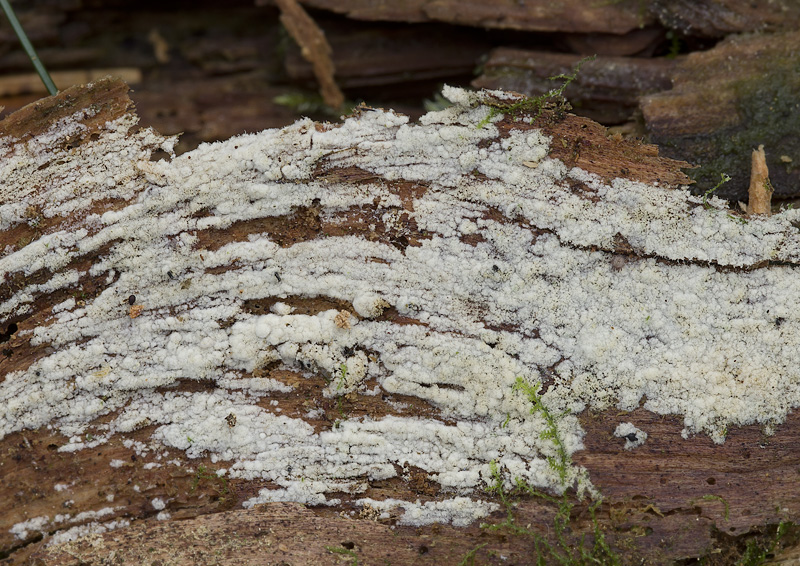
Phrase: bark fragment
(760,187)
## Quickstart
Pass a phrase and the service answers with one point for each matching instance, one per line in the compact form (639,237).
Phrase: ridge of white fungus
(44,523)
(718,346)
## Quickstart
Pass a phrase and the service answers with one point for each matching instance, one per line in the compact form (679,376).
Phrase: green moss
(532,107)
(311,104)
(723,179)
(562,462)
(469,557)
(756,553)
(340,550)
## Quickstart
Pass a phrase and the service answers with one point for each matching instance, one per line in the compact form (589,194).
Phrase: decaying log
(568,16)
(385,54)
(717,18)
(725,103)
(338,315)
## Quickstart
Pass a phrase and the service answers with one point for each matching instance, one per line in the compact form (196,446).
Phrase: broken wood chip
(760,191)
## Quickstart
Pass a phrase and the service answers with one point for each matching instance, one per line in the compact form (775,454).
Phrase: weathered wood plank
(717,18)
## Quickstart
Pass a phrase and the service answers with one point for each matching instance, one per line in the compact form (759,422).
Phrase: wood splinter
(760,192)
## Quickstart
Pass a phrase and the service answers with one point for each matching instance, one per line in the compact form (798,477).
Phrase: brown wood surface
(667,500)
(717,18)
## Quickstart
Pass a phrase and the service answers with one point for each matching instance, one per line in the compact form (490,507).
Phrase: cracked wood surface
(657,505)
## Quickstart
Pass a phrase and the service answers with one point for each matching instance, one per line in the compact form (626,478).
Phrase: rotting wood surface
(657,505)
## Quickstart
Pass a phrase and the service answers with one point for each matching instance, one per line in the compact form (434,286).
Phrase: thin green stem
(23,38)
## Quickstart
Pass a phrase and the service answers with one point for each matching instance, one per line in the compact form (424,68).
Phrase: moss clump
(533,107)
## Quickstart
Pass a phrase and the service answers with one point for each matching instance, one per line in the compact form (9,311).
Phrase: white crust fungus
(634,437)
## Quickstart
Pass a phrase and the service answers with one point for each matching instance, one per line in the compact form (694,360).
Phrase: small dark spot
(711,481)
(7,352)
(495,268)
(133,457)
(52,447)
(159,154)
(780,320)
(401,243)
(38,373)
(347,351)
(423,549)
(170,275)
(131,300)
(632,437)
(349,545)
(278,276)
(6,336)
